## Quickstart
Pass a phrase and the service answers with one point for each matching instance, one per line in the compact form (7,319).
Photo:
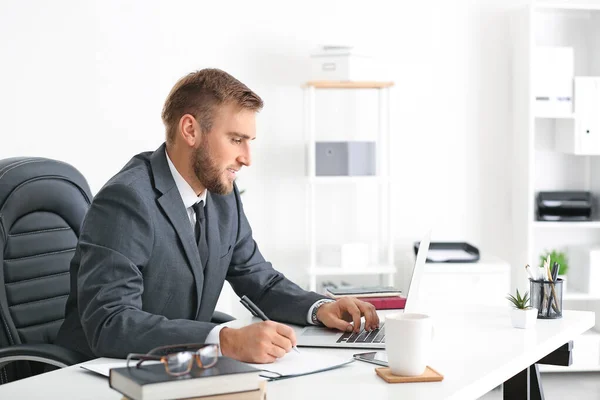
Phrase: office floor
(563,386)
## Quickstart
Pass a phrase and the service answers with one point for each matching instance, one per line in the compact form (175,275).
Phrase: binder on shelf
(580,134)
(553,79)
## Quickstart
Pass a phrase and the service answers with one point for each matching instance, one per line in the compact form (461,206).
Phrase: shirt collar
(185,190)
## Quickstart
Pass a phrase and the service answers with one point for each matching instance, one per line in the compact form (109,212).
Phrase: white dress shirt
(189,199)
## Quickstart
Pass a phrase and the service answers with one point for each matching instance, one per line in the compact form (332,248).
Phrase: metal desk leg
(527,384)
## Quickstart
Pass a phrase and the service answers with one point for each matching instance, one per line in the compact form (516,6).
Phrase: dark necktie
(200,231)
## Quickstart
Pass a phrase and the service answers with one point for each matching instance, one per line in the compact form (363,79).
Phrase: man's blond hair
(200,93)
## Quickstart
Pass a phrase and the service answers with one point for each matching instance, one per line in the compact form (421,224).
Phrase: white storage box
(342,63)
(553,81)
(581,134)
(584,268)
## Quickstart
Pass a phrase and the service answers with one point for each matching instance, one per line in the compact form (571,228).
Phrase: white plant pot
(523,319)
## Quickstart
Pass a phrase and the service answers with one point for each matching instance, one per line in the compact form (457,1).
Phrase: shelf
(370,270)
(567,224)
(324,189)
(349,84)
(548,149)
(555,116)
(348,179)
(567,6)
(572,368)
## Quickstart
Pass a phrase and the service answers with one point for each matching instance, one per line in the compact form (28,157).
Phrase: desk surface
(476,350)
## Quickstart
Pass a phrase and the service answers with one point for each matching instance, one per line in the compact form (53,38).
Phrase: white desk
(476,350)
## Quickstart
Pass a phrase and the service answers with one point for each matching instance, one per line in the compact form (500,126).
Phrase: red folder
(386,303)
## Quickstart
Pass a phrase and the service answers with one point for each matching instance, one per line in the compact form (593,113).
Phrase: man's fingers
(287,332)
(281,341)
(354,311)
(272,344)
(339,324)
(264,359)
(275,350)
(371,317)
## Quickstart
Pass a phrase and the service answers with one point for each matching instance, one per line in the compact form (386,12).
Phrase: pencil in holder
(546,296)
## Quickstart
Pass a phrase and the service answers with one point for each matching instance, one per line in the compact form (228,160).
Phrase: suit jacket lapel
(172,205)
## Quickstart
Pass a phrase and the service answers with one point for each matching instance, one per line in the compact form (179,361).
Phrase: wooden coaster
(430,375)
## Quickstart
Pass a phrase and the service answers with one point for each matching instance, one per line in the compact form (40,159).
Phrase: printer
(564,206)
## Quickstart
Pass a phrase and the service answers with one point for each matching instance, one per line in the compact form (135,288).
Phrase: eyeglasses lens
(180,363)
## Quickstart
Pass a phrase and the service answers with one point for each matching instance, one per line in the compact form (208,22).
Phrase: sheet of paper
(300,363)
(450,254)
(103,366)
(291,364)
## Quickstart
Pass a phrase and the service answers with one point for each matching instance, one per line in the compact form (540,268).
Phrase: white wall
(85,82)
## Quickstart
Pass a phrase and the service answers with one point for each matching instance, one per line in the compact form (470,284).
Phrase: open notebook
(291,365)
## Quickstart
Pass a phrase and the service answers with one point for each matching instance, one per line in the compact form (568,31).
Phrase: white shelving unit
(382,263)
(537,163)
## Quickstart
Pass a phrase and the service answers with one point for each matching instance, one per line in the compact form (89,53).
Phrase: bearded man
(162,236)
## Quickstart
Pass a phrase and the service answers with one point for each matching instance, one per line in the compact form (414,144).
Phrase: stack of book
(227,380)
(382,297)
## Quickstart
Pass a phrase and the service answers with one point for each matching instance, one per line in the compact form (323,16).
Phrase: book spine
(386,303)
(362,295)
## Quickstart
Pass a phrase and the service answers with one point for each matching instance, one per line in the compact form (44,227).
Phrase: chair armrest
(221,317)
(43,352)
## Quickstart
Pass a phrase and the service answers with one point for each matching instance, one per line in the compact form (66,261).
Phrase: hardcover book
(151,382)
(259,394)
(386,303)
(364,291)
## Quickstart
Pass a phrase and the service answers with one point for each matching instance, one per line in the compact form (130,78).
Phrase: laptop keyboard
(375,336)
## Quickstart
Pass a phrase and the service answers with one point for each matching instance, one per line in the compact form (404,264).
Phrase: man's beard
(208,173)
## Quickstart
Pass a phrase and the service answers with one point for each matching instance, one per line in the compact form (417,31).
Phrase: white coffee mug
(408,340)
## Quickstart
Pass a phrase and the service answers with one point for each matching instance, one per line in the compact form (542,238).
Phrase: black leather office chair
(42,205)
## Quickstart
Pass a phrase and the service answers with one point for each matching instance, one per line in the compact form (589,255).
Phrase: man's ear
(189,130)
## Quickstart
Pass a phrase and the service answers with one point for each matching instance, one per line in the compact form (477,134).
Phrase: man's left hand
(348,309)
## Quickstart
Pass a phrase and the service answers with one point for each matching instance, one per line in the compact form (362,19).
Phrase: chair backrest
(42,206)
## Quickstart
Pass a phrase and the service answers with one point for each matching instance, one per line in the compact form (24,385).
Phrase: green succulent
(556,256)
(519,302)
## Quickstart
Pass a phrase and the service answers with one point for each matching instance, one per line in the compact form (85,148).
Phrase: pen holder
(547,296)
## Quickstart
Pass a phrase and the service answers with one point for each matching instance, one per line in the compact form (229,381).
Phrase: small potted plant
(559,257)
(522,315)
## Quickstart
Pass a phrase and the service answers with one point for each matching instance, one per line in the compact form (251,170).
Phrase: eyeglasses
(179,359)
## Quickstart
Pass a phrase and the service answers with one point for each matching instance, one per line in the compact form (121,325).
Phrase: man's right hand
(260,343)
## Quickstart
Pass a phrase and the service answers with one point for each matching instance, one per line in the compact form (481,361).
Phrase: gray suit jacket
(136,277)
